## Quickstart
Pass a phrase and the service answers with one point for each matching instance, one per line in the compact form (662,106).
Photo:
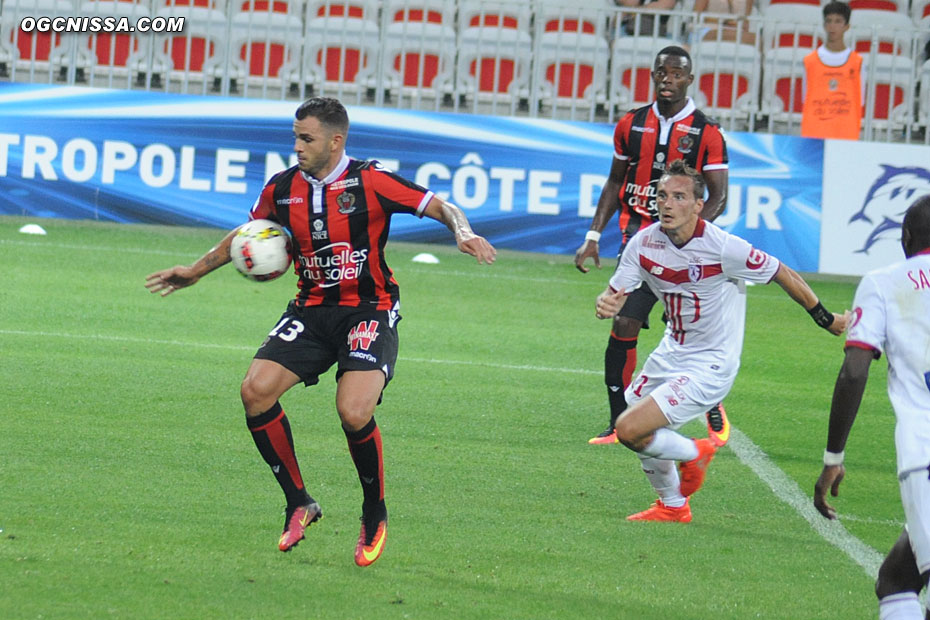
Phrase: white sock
(900,606)
(663,475)
(670,445)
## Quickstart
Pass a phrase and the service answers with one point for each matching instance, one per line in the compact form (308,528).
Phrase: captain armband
(822,317)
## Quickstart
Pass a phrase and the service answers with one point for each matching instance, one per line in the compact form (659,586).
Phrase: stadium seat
(495,49)
(572,53)
(340,47)
(265,37)
(783,84)
(787,25)
(892,82)
(919,10)
(726,76)
(31,47)
(292,7)
(772,3)
(418,57)
(189,55)
(219,5)
(585,18)
(110,53)
(879,5)
(631,63)
(885,32)
(355,9)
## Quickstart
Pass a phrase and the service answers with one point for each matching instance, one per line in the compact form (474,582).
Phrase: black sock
(365,448)
(272,435)
(619,364)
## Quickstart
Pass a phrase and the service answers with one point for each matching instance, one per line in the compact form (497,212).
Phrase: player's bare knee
(354,417)
(628,436)
(256,397)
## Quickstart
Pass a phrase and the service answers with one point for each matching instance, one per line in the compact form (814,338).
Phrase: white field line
(784,488)
(788,491)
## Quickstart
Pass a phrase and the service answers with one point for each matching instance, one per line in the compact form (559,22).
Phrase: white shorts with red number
(683,392)
(915,495)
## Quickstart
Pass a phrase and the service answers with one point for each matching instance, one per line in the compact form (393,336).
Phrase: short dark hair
(917,224)
(679,168)
(675,50)
(837,8)
(330,112)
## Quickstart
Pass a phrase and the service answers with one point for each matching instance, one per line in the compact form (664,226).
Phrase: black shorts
(639,303)
(308,341)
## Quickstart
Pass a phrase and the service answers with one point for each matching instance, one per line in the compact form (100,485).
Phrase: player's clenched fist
(609,303)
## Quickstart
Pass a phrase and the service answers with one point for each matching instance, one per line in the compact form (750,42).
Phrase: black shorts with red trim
(309,340)
(639,303)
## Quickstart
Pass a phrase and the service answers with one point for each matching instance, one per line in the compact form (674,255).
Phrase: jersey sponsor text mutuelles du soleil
(340,226)
(702,288)
(647,141)
(891,313)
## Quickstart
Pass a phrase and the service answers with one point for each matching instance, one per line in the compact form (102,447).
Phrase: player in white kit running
(698,271)
(892,314)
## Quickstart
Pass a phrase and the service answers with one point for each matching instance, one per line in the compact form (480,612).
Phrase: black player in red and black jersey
(337,210)
(646,140)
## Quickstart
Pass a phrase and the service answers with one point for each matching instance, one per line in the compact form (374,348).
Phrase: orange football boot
(660,512)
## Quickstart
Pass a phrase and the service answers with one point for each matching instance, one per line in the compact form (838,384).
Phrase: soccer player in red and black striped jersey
(338,211)
(646,140)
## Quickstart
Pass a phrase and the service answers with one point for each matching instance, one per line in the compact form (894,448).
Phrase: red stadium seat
(887,31)
(494,49)
(786,25)
(727,77)
(879,5)
(632,59)
(419,45)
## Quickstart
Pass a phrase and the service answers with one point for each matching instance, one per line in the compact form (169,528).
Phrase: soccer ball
(261,250)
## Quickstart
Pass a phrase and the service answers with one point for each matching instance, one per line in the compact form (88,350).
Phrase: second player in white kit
(891,314)
(698,271)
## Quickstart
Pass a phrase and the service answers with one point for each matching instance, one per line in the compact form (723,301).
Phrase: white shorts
(915,496)
(682,393)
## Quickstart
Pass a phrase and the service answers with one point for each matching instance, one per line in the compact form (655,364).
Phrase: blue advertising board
(526,184)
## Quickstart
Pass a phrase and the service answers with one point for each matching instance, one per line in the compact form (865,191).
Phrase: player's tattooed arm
(466,239)
(167,281)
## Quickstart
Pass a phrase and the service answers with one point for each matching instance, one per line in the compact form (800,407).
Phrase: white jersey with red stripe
(702,288)
(891,314)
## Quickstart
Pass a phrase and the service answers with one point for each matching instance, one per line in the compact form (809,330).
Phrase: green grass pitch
(129,486)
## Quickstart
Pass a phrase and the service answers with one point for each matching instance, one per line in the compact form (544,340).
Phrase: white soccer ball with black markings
(261,250)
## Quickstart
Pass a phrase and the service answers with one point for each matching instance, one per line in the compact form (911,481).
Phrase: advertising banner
(867,188)
(526,184)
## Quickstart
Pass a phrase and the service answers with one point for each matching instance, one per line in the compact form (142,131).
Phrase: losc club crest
(695,272)
(345,202)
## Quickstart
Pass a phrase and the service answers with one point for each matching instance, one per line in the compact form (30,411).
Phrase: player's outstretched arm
(466,239)
(801,292)
(168,281)
(847,396)
(607,205)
